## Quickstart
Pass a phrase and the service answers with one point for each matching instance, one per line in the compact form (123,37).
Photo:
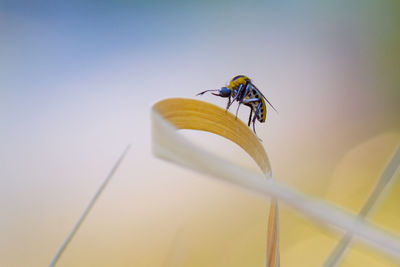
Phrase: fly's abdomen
(260,104)
(263,111)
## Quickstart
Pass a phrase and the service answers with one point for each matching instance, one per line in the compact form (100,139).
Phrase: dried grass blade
(199,115)
(171,146)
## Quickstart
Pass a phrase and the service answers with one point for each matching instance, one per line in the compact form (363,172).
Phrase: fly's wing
(264,97)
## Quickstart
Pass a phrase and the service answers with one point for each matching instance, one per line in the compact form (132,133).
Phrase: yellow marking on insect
(263,111)
(236,81)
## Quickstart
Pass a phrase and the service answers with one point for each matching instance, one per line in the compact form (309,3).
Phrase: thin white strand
(387,176)
(88,208)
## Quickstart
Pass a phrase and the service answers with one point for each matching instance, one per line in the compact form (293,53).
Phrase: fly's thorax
(237,81)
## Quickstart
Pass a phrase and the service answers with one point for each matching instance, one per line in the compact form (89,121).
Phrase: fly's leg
(252,100)
(239,90)
(229,103)
(251,113)
(246,91)
(237,110)
(254,119)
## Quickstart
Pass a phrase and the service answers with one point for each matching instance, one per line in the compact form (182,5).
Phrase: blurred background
(78,79)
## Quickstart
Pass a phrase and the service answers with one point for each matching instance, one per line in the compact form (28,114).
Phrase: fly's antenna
(213,90)
(270,104)
(265,98)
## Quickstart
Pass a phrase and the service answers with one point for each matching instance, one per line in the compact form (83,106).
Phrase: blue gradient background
(77,80)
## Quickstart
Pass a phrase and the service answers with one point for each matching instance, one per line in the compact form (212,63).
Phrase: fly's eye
(224,92)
